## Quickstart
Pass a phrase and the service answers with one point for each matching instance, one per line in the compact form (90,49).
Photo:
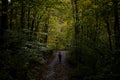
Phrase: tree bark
(109,32)
(116,25)
(46,31)
(22,14)
(28,14)
(4,22)
(76,19)
(46,26)
(76,30)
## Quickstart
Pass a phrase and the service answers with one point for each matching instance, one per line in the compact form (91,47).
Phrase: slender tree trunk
(28,14)
(46,31)
(11,15)
(116,25)
(76,29)
(108,31)
(46,26)
(33,22)
(96,25)
(4,21)
(76,20)
(28,18)
(22,14)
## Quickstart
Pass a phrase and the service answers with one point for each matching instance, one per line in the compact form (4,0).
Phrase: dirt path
(56,70)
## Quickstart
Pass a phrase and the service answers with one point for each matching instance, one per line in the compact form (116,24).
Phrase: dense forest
(31,31)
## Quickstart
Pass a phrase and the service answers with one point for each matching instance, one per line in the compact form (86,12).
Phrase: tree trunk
(11,14)
(76,29)
(28,14)
(46,31)
(96,25)
(108,31)
(76,19)
(22,14)
(4,21)
(116,25)
(46,26)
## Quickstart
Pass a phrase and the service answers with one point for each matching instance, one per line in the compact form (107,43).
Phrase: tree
(4,22)
(116,24)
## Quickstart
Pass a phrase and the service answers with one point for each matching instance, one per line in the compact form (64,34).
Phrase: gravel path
(56,70)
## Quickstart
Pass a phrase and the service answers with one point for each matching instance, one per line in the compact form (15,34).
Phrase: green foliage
(20,59)
(93,63)
(92,52)
(26,47)
(34,28)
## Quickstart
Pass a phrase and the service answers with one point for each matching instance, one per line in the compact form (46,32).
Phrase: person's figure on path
(59,56)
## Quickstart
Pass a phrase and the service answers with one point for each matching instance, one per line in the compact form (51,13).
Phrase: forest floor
(55,70)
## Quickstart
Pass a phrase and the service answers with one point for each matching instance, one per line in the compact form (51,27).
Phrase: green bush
(93,63)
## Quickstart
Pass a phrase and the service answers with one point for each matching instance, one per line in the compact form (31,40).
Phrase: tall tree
(4,21)
(46,25)
(22,13)
(116,24)
(109,32)
(76,18)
